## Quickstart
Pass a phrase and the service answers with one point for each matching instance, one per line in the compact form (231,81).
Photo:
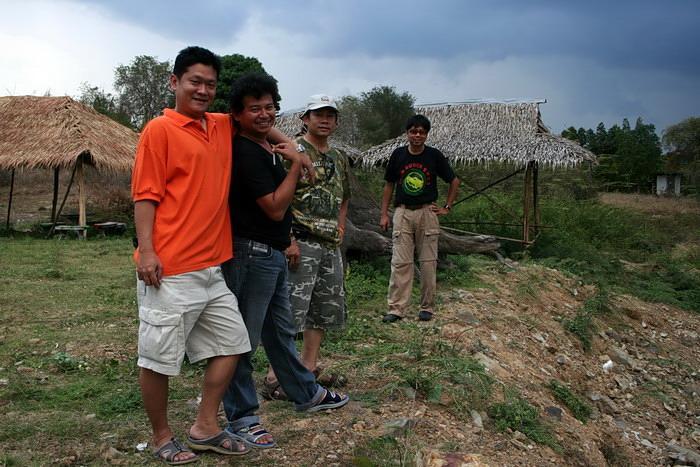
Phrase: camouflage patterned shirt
(316,207)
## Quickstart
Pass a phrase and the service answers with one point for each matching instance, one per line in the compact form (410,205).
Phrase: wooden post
(9,204)
(535,197)
(527,200)
(55,194)
(82,197)
(65,197)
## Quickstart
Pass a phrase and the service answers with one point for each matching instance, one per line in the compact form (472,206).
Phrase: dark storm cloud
(636,34)
(195,22)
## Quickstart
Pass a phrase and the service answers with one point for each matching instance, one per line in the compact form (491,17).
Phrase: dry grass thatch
(479,132)
(51,132)
(485,132)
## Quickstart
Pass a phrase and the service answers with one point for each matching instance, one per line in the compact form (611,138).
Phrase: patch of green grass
(383,451)
(582,325)
(437,371)
(518,414)
(575,404)
(122,402)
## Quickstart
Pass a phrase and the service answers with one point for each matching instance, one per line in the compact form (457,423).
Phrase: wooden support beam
(65,197)
(55,194)
(535,197)
(82,196)
(9,204)
(527,200)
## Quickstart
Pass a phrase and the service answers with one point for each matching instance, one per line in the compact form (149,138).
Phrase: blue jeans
(257,275)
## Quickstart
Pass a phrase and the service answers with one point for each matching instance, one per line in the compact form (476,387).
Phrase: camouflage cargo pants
(316,289)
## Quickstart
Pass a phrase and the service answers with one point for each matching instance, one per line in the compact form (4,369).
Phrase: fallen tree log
(363,235)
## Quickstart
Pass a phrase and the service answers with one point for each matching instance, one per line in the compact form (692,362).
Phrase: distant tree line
(628,158)
(142,91)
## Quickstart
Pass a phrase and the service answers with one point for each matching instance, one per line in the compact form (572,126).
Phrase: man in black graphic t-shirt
(412,171)
(259,199)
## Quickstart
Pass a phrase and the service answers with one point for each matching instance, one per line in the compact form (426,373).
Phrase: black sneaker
(330,401)
(391,318)
(425,315)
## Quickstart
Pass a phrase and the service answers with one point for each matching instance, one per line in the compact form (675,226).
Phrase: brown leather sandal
(272,391)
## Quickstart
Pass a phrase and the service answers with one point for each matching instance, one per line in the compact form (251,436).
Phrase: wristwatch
(448,207)
(301,148)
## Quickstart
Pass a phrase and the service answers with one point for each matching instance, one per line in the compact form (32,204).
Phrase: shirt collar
(184,120)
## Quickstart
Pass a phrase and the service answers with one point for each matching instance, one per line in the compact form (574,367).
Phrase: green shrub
(576,405)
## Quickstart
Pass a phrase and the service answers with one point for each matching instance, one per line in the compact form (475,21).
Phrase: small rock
(646,443)
(476,419)
(623,382)
(4,382)
(399,426)
(519,436)
(554,412)
(34,341)
(518,444)
(489,363)
(622,357)
(683,455)
(90,416)
(434,458)
(141,446)
(111,454)
(24,369)
(561,359)
(409,392)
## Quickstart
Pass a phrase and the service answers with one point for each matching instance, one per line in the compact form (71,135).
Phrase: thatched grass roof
(51,132)
(510,132)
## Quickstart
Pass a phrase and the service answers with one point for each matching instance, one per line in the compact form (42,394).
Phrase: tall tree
(143,89)
(103,102)
(374,116)
(232,67)
(682,141)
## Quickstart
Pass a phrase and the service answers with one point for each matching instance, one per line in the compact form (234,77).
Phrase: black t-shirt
(414,175)
(256,173)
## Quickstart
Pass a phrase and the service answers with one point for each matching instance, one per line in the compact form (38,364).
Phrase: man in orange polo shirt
(180,190)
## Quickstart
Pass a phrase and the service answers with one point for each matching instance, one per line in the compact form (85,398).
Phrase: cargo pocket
(161,335)
(428,250)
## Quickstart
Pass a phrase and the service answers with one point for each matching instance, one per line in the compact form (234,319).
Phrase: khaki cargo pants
(414,229)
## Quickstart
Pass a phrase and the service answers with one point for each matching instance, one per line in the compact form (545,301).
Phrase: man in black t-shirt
(259,199)
(412,170)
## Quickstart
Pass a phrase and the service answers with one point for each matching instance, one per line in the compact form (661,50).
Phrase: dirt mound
(645,399)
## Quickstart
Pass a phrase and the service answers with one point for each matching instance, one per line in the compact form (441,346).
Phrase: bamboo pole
(535,197)
(9,204)
(65,197)
(82,197)
(55,194)
(527,199)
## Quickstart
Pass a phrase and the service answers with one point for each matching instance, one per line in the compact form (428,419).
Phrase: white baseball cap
(319,101)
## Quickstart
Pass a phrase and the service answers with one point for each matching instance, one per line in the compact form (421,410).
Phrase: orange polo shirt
(187,172)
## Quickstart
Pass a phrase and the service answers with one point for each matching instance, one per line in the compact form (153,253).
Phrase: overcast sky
(592,60)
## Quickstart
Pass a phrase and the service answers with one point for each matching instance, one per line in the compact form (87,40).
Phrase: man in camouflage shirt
(319,211)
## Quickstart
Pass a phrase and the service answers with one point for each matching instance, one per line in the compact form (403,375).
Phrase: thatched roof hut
(469,132)
(61,133)
(52,132)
